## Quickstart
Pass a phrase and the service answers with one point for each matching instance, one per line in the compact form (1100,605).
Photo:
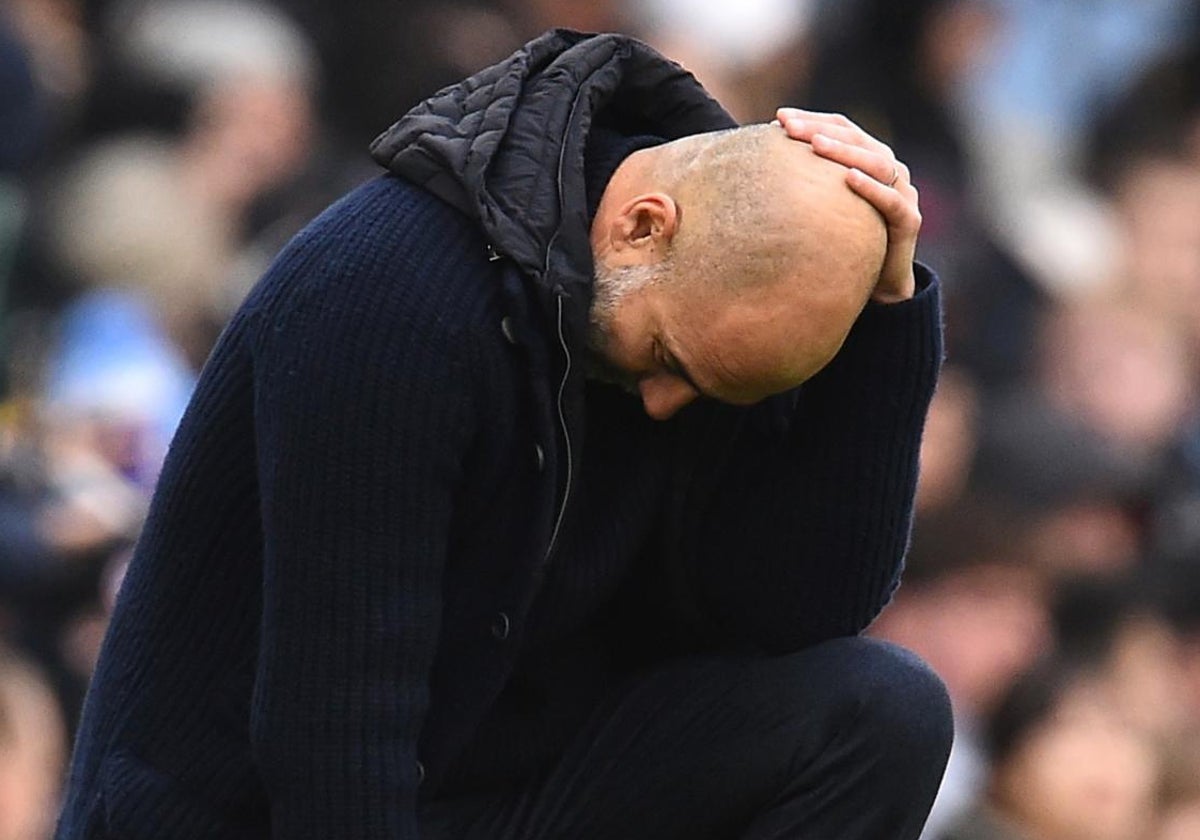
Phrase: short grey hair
(613,285)
(732,175)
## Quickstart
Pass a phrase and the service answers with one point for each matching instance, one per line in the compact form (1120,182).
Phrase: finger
(801,125)
(806,131)
(881,166)
(785,114)
(854,136)
(885,169)
(898,210)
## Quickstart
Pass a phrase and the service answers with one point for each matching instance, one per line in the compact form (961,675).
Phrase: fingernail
(795,124)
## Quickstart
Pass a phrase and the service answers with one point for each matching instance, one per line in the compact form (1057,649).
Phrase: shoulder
(392,218)
(388,251)
(387,295)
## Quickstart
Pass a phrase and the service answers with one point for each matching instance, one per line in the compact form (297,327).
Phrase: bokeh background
(154,154)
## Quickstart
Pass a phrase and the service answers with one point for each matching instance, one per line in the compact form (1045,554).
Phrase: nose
(664,394)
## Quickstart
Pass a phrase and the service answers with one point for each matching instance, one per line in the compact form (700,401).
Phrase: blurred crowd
(154,154)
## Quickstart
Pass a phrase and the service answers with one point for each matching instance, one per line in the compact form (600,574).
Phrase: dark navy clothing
(401,547)
(845,739)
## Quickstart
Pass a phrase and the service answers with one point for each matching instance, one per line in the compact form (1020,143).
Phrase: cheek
(622,349)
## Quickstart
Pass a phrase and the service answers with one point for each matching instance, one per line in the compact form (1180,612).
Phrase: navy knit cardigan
(394,499)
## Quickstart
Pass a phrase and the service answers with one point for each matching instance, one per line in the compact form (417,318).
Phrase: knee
(884,697)
(894,697)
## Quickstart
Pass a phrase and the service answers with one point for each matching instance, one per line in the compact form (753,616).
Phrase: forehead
(743,347)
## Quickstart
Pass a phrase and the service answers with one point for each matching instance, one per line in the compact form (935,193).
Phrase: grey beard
(609,289)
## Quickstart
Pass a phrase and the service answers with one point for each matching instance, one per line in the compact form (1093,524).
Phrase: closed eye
(666,359)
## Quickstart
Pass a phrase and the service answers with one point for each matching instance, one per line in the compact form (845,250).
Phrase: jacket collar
(506,146)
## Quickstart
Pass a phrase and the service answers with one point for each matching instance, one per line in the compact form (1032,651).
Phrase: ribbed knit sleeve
(806,538)
(363,418)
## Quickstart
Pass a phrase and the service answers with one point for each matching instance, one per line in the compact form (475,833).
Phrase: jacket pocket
(142,803)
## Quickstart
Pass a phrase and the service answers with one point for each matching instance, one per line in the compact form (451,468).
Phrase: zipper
(559,294)
(562,421)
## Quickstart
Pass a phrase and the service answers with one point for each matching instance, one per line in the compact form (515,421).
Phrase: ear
(642,230)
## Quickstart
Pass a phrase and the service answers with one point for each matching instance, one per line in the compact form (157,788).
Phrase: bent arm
(806,532)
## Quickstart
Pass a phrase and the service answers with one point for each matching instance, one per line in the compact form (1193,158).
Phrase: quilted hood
(506,146)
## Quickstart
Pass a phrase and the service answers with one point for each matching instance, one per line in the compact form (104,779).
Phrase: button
(493,254)
(506,327)
(539,456)
(420,772)
(501,626)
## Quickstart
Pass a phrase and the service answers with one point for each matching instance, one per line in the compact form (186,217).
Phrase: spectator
(33,748)
(1065,765)
(979,616)
(951,439)
(1180,802)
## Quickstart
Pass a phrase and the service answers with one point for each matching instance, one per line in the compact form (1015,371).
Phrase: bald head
(730,265)
(753,206)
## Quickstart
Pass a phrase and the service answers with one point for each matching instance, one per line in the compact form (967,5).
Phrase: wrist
(895,292)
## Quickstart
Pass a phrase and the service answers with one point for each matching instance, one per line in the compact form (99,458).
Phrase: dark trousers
(845,740)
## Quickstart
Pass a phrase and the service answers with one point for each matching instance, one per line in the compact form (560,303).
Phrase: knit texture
(348,595)
(344,513)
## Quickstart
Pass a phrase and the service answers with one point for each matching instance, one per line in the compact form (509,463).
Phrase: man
(415,569)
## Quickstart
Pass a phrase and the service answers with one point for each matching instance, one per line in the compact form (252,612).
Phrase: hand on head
(877,176)
(730,265)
